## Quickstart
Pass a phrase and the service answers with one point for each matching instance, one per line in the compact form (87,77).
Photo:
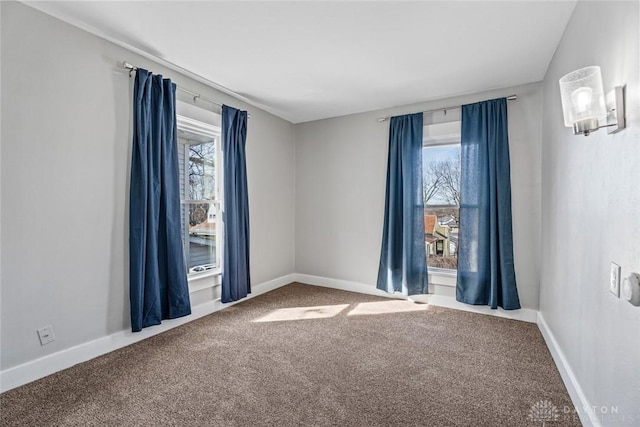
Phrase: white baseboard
(570,380)
(524,314)
(47,365)
(343,285)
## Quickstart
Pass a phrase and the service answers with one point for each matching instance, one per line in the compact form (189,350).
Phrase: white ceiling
(308,60)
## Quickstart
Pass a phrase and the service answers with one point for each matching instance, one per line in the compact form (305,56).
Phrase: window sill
(204,280)
(442,272)
(442,277)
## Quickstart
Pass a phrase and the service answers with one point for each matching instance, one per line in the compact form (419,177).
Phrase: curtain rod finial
(128,66)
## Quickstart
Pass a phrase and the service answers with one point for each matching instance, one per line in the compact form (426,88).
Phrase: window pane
(441,236)
(199,240)
(441,191)
(202,171)
(197,156)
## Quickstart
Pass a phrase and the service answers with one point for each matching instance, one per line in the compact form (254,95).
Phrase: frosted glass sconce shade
(583,101)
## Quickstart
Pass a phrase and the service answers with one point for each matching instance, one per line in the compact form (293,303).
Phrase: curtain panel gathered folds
(403,262)
(236,279)
(486,274)
(158,287)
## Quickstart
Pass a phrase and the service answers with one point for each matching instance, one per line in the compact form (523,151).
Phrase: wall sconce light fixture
(583,102)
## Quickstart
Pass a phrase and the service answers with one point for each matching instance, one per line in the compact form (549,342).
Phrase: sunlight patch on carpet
(302,313)
(387,307)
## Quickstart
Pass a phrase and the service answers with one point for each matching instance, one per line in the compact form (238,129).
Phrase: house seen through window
(200,205)
(441,192)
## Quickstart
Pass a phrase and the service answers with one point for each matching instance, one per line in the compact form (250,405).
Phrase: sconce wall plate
(615,110)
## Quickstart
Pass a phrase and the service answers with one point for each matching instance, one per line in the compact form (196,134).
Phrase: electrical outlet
(614,280)
(46,335)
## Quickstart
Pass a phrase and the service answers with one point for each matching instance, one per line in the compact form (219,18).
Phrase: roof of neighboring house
(204,228)
(430,224)
(440,234)
(446,220)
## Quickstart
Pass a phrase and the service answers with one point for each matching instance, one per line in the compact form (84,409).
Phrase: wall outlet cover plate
(46,335)
(614,279)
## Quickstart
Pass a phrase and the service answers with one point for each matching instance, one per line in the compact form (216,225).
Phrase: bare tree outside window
(430,184)
(441,180)
(449,171)
(201,180)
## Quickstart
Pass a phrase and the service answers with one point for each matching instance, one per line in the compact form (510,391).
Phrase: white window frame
(441,276)
(192,120)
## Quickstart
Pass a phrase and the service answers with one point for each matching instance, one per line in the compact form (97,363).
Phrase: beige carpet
(309,356)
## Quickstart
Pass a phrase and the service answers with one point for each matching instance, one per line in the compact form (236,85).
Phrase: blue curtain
(403,259)
(158,286)
(236,280)
(486,274)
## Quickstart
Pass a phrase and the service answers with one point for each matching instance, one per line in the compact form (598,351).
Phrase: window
(198,147)
(441,192)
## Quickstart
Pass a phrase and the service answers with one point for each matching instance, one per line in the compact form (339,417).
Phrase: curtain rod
(509,98)
(195,95)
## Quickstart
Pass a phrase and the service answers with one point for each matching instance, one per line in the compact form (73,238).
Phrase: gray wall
(340,185)
(66,108)
(64,165)
(591,210)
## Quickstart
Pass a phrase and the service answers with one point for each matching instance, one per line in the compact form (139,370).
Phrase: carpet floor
(310,356)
